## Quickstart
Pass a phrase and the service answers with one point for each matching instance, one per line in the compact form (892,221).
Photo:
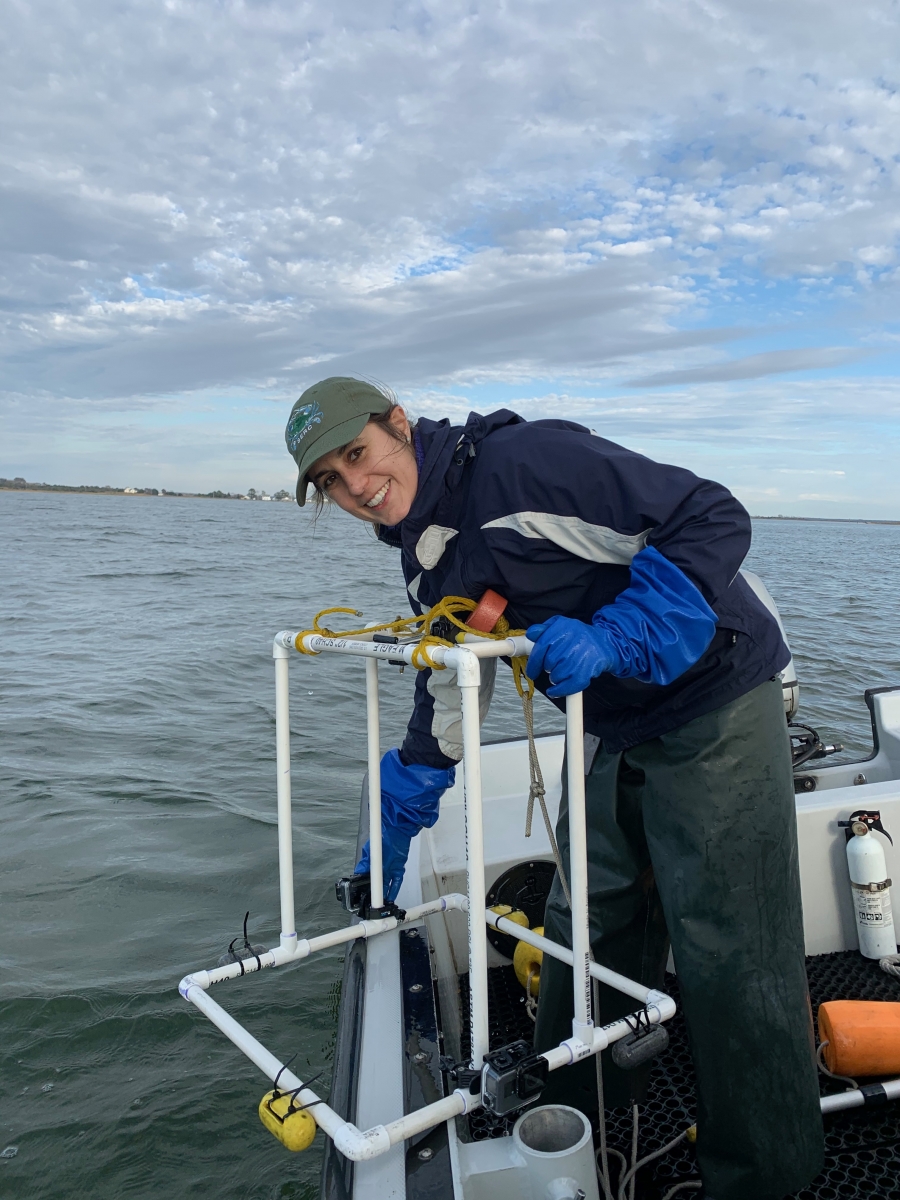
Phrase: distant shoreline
(830,520)
(22,485)
(16,485)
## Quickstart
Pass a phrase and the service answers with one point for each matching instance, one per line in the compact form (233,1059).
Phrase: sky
(673,220)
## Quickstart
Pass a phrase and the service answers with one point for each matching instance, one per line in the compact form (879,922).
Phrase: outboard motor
(805,742)
(789,685)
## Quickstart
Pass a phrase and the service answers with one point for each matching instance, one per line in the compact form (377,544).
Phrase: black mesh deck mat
(862,1146)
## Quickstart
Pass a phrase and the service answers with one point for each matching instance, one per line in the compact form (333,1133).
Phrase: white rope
(634,1150)
(629,1176)
(536,791)
(854,1086)
(689,1184)
(530,999)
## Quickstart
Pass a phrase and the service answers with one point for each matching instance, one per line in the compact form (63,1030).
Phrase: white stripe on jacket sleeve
(596,543)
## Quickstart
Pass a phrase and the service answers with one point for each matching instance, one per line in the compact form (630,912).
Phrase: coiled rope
(449,608)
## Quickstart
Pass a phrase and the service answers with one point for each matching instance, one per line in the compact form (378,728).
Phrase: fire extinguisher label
(873,908)
(875,923)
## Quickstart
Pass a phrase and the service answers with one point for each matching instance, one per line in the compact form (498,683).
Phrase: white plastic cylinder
(469,677)
(871,893)
(582,1025)
(373,729)
(283,771)
(554,1141)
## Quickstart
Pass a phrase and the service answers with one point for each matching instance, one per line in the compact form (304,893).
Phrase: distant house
(131,491)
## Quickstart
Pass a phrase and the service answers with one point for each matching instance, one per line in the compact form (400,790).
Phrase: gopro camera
(353,893)
(512,1077)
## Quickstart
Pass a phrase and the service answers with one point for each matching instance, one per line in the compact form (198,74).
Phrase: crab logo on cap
(301,423)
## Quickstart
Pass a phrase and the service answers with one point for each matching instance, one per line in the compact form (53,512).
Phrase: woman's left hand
(571,653)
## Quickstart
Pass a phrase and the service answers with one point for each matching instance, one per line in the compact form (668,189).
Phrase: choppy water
(137,805)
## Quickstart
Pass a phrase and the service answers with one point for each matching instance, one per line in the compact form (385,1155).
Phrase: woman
(625,573)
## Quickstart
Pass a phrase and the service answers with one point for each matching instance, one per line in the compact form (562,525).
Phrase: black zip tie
(293,1106)
(251,953)
(247,945)
(641,1021)
(282,1068)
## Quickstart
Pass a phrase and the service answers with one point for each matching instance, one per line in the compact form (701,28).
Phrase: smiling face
(375,476)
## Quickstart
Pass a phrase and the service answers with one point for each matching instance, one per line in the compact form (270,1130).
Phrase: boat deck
(862,1145)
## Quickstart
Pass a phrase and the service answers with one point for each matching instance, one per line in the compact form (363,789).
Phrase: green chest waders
(692,840)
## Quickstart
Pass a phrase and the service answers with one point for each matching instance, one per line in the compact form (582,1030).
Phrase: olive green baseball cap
(328,415)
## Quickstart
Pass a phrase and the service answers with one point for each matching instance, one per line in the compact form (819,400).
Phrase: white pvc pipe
(512,647)
(574,1050)
(458,1102)
(582,1025)
(315,643)
(283,772)
(354,1143)
(373,732)
(621,983)
(855,1098)
(468,674)
(279,956)
(326,1118)
(360,1145)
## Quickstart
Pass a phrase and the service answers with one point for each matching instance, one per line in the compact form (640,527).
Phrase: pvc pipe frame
(586,1040)
(357,1144)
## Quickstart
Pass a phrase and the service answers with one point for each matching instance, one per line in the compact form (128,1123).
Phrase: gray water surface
(137,800)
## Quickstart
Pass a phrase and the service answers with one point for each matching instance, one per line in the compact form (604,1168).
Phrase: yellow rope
(450,607)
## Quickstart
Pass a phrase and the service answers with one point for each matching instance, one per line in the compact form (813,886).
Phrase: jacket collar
(447,451)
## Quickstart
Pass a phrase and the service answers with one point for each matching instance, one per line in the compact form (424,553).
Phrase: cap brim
(339,436)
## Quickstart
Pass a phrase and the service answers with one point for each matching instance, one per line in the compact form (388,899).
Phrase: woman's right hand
(410,801)
(394,853)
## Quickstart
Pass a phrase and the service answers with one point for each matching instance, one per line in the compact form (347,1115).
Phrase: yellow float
(527,965)
(511,914)
(294,1127)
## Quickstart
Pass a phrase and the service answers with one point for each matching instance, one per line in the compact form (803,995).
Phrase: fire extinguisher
(869,884)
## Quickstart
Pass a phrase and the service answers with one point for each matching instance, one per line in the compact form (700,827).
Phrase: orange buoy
(863,1036)
(488,612)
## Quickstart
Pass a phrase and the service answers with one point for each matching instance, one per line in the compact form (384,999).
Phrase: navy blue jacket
(550,516)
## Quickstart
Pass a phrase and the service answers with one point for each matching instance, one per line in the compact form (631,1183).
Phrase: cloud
(755,366)
(218,195)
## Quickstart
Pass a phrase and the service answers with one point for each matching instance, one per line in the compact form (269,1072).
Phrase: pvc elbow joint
(663,1004)
(282,644)
(359,1146)
(198,979)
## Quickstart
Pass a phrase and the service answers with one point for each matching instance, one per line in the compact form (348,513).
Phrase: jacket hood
(447,449)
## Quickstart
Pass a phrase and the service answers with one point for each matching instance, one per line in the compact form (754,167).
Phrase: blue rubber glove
(410,801)
(653,631)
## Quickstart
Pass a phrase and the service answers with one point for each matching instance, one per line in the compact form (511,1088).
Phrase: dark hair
(383,419)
